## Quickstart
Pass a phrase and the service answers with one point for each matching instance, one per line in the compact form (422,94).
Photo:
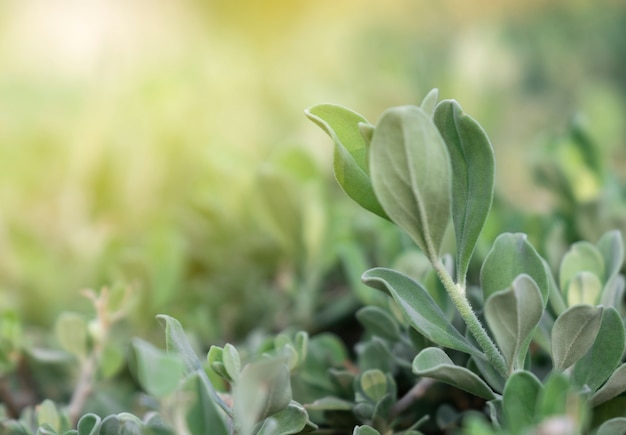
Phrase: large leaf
(420,309)
(410,171)
(581,256)
(351,152)
(573,334)
(510,256)
(473,169)
(519,401)
(604,356)
(513,315)
(616,384)
(433,363)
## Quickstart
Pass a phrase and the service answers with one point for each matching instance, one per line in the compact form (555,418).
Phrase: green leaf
(473,170)
(232,363)
(46,429)
(47,413)
(203,416)
(365,430)
(378,322)
(605,355)
(433,363)
(176,341)
(510,256)
(616,384)
(351,153)
(290,420)
(158,372)
(519,401)
(581,256)
(554,397)
(613,293)
(613,426)
(584,288)
(410,171)
(573,334)
(429,103)
(512,316)
(611,248)
(121,424)
(373,384)
(421,311)
(71,332)
(330,404)
(89,424)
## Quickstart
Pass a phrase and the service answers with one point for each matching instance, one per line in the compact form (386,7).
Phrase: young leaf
(616,384)
(351,153)
(584,288)
(291,420)
(611,248)
(510,256)
(519,401)
(429,103)
(581,256)
(512,316)
(573,334)
(373,384)
(604,356)
(410,171)
(89,424)
(420,309)
(473,170)
(157,372)
(433,363)
(71,331)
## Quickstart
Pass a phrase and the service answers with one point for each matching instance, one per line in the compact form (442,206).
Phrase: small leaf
(47,413)
(473,170)
(71,331)
(378,322)
(581,256)
(573,334)
(330,404)
(290,420)
(420,309)
(611,248)
(429,103)
(365,430)
(584,288)
(604,356)
(410,172)
(157,372)
(373,384)
(519,400)
(232,363)
(613,293)
(351,153)
(89,424)
(613,426)
(510,256)
(512,316)
(615,385)
(433,363)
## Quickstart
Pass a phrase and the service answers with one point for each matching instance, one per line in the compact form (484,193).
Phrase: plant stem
(457,294)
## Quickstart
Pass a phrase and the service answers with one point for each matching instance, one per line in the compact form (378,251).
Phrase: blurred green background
(162,144)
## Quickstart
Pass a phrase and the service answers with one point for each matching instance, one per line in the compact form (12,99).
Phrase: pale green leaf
(604,356)
(378,322)
(584,288)
(411,175)
(519,401)
(615,385)
(614,426)
(573,334)
(203,416)
(351,152)
(420,309)
(581,256)
(429,103)
(473,170)
(157,371)
(611,247)
(512,316)
(71,332)
(373,384)
(365,430)
(291,420)
(510,256)
(433,363)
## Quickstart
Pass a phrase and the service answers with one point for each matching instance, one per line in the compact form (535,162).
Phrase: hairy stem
(457,294)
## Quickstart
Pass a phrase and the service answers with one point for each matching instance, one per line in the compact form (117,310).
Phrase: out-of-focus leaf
(473,171)
(203,416)
(513,315)
(379,322)
(373,384)
(121,424)
(519,401)
(553,398)
(613,293)
(71,332)
(611,247)
(420,309)
(47,413)
(434,363)
(581,256)
(605,355)
(330,404)
(89,424)
(410,172)
(351,153)
(583,288)
(510,256)
(291,420)
(616,384)
(365,430)
(613,426)
(158,372)
(429,103)
(573,334)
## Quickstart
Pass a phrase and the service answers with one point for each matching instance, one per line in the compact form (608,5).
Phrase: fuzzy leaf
(351,153)
(616,384)
(290,420)
(584,288)
(573,334)
(410,171)
(433,363)
(420,309)
(473,170)
(510,256)
(89,424)
(581,256)
(429,103)
(512,316)
(519,400)
(365,430)
(604,356)
(613,426)
(611,248)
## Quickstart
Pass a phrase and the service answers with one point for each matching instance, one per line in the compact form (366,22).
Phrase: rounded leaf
(581,256)
(573,334)
(519,400)
(584,288)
